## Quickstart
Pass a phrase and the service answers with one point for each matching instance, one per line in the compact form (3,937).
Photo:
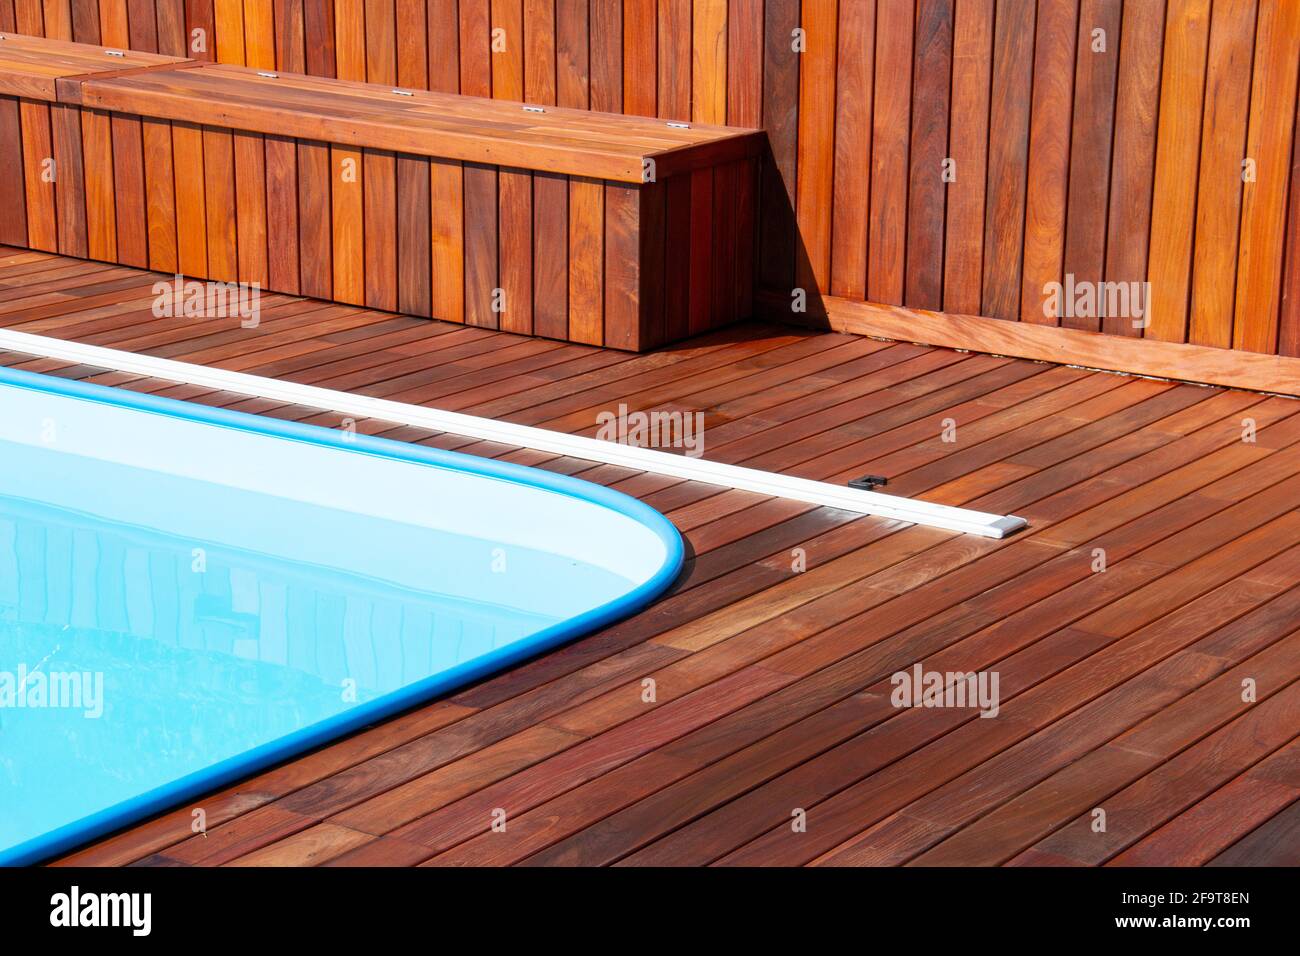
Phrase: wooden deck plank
(773,653)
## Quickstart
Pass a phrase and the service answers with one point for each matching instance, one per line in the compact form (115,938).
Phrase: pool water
(187,595)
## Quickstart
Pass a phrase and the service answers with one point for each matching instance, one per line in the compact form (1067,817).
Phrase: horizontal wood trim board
(1178,361)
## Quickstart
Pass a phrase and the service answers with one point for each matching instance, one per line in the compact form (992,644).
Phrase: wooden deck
(1120,690)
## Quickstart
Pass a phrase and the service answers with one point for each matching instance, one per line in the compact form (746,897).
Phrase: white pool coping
(648,460)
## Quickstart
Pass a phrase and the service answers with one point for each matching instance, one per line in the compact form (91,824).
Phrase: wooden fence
(950,155)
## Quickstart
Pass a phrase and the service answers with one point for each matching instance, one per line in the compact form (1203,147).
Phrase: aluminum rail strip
(524,436)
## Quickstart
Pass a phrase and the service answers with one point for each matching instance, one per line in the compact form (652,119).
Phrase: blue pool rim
(227,771)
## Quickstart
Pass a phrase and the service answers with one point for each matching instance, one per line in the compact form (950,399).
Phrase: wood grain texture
(282,208)
(1218,197)
(1263,209)
(508,47)
(968,146)
(482,264)
(129,195)
(674,68)
(13,201)
(640,57)
(855,76)
(1178,142)
(550,234)
(250,209)
(315,234)
(539,51)
(220,204)
(347,225)
(1008,159)
(891,122)
(381,237)
(160,193)
(622,278)
(515,242)
(816,158)
(39,186)
(1096,71)
(586,261)
(413,221)
(70,183)
(1049,157)
(709,61)
(927,191)
(778,242)
(412,41)
(447,240)
(1133,169)
(606,56)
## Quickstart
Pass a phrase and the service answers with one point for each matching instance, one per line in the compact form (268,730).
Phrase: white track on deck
(524,436)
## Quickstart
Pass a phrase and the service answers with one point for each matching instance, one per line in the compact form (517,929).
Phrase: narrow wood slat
(447,239)
(13,202)
(539,51)
(318,38)
(259,34)
(1008,159)
(1218,195)
(58,18)
(709,61)
(413,45)
(172,37)
(282,267)
(142,25)
(586,261)
(550,236)
(816,156)
(83,18)
(347,203)
(482,265)
(350,39)
(131,227)
(723,280)
(160,194)
(379,183)
(677,259)
(701,250)
(622,278)
(927,191)
(315,259)
(674,73)
(413,257)
(1049,157)
(745,63)
(475,48)
(515,211)
(1133,168)
(1178,142)
(1263,209)
(219,182)
(444,45)
(1289,308)
(887,240)
(968,138)
(228,23)
(507,49)
(1096,67)
(781,120)
(640,57)
(651,258)
(70,183)
(113,29)
(381,42)
(200,35)
(39,187)
(250,209)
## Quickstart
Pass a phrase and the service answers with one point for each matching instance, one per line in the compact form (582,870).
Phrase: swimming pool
(188,594)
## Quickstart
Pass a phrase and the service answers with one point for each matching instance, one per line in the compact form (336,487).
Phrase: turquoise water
(162,633)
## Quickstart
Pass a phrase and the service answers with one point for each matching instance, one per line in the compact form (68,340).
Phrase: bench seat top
(449,126)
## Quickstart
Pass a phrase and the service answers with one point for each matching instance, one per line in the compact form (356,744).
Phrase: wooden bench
(598,228)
